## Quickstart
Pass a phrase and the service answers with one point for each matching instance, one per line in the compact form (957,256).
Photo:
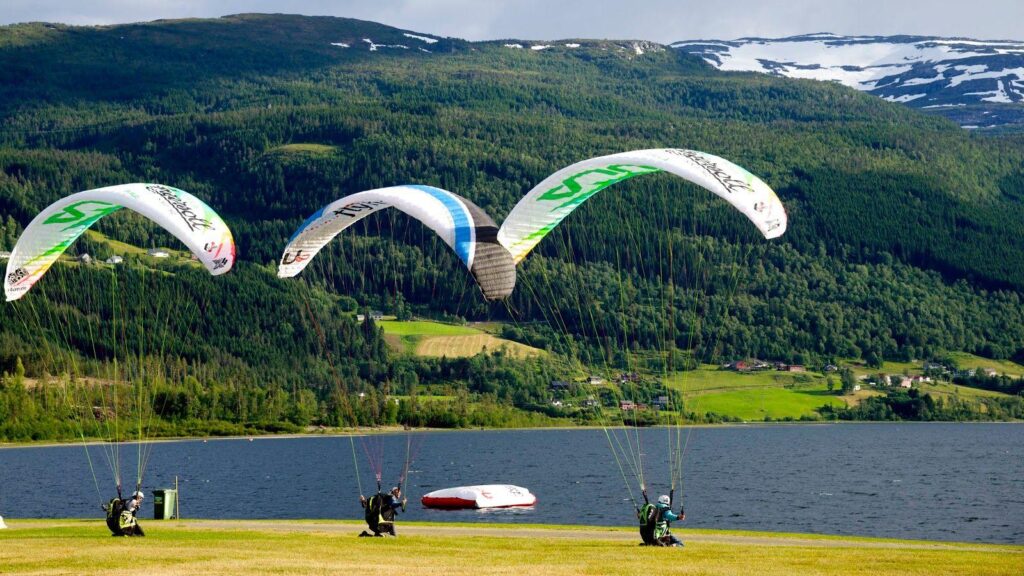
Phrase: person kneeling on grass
(121,515)
(380,511)
(654,523)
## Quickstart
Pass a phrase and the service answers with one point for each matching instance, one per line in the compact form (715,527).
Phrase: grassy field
(303,149)
(459,346)
(224,548)
(967,361)
(426,338)
(946,389)
(711,378)
(757,395)
(424,328)
(760,403)
(859,369)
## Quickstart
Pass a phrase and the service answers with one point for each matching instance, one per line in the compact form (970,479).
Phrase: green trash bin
(165,502)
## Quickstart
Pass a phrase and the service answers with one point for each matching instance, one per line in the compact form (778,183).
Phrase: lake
(962,482)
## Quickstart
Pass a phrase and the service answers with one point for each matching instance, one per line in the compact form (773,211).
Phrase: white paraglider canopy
(485,496)
(464,226)
(548,203)
(55,228)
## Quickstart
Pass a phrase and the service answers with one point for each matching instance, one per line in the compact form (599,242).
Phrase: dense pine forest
(906,235)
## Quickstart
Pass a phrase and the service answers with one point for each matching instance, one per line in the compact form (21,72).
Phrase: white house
(114,260)
(158,253)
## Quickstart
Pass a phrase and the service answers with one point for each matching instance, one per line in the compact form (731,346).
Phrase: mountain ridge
(977,83)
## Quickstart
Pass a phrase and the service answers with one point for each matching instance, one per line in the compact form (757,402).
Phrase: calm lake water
(960,482)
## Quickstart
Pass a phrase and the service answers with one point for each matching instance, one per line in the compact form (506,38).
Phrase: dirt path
(587,533)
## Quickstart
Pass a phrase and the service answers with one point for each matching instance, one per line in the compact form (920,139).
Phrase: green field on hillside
(968,361)
(711,377)
(435,339)
(761,403)
(423,328)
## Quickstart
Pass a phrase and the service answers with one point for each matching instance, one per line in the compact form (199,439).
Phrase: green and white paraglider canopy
(54,229)
(558,195)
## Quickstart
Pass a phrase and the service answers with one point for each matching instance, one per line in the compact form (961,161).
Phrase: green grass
(968,361)
(754,395)
(946,389)
(303,149)
(424,328)
(859,369)
(324,547)
(710,377)
(426,338)
(425,398)
(758,404)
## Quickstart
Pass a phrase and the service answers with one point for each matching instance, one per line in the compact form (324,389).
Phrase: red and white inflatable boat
(488,496)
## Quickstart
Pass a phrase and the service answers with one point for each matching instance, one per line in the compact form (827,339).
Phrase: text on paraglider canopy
(288,259)
(192,220)
(353,210)
(717,172)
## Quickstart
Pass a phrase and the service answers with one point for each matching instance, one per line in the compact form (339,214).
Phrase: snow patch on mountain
(426,39)
(925,72)
(374,47)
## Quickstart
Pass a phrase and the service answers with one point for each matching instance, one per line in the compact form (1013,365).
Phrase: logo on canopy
(187,213)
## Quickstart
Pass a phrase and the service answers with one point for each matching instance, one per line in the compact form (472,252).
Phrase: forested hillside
(906,233)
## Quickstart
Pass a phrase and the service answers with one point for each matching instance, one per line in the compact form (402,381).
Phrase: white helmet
(139,495)
(663,499)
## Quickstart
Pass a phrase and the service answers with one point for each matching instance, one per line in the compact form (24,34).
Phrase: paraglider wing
(558,195)
(461,224)
(61,223)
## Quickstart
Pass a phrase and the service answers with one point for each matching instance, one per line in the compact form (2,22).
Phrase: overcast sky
(659,20)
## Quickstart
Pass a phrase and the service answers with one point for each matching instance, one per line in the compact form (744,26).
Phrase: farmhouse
(558,385)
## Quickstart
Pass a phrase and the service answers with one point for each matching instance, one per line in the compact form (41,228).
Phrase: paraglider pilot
(380,511)
(655,520)
(121,515)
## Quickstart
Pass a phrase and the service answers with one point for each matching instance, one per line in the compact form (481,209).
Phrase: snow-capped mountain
(979,84)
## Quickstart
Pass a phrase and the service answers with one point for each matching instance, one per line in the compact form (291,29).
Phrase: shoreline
(346,432)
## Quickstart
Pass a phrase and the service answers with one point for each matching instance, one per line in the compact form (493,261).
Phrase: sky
(662,21)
